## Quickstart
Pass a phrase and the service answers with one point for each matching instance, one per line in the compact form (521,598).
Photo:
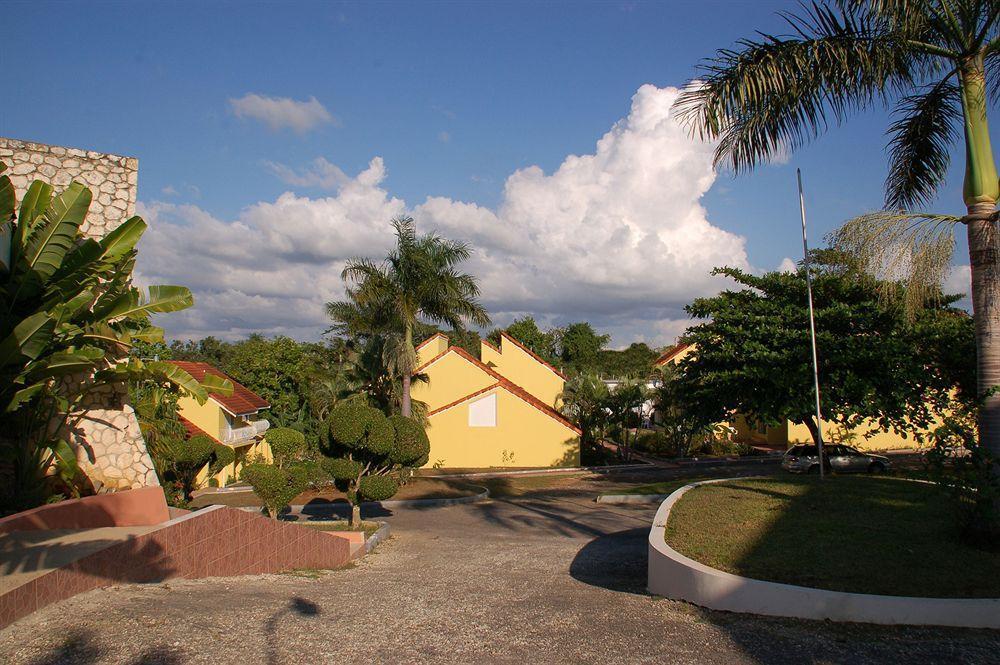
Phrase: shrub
(411,446)
(213,482)
(358,426)
(377,488)
(287,444)
(223,457)
(341,468)
(274,486)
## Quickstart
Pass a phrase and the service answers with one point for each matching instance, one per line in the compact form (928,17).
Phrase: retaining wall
(214,542)
(138,507)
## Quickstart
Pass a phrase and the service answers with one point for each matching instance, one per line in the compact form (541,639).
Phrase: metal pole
(812,325)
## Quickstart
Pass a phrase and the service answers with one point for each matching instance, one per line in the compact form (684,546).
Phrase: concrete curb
(673,575)
(376,538)
(621,499)
(543,472)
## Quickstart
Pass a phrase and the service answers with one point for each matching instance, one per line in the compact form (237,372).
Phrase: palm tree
(418,279)
(584,400)
(935,61)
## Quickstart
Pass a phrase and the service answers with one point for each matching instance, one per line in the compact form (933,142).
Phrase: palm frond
(781,91)
(919,144)
(909,248)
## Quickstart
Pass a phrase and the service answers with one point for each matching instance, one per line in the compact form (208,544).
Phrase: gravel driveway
(527,580)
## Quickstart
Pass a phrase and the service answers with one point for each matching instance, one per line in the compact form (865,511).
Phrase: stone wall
(105,434)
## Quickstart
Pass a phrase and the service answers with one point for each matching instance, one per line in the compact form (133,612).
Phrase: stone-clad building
(105,433)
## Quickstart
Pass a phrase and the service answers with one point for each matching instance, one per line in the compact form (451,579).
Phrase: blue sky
(453,97)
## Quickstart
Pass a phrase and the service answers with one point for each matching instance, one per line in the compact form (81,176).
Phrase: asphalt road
(519,580)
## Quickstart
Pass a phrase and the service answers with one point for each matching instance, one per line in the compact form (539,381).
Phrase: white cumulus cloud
(618,237)
(282,112)
(320,173)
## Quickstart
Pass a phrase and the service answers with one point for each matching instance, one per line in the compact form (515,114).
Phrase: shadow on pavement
(615,561)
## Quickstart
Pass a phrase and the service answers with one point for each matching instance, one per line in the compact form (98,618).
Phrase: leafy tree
(276,487)
(625,406)
(418,279)
(527,332)
(181,461)
(367,451)
(272,368)
(636,361)
(584,403)
(581,345)
(754,354)
(936,60)
(69,309)
(682,431)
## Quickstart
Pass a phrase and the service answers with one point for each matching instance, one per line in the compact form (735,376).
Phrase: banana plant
(68,308)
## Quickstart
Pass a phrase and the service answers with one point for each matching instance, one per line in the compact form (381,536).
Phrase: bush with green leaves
(287,445)
(274,486)
(222,456)
(70,309)
(367,452)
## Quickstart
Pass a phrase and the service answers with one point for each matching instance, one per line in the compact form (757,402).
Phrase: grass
(663,487)
(341,525)
(860,534)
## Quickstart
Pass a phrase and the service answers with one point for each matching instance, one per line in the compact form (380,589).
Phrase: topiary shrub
(222,456)
(341,468)
(274,486)
(287,445)
(357,426)
(377,488)
(411,446)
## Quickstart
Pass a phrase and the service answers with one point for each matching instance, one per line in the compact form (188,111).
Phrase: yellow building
(231,420)
(500,411)
(788,434)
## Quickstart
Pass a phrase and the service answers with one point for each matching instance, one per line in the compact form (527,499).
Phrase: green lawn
(663,487)
(862,534)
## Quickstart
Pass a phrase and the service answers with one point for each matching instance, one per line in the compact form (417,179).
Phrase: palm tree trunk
(981,192)
(983,249)
(406,406)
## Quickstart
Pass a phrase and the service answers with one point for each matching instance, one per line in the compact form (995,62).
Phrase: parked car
(802,458)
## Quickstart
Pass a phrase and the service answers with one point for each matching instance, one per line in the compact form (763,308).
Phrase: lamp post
(812,324)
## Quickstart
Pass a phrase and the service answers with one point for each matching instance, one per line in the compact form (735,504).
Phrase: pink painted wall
(214,542)
(139,507)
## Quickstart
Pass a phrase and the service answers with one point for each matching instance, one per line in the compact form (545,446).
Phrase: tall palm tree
(936,62)
(418,279)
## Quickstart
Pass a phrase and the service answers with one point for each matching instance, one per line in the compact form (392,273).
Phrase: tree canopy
(753,353)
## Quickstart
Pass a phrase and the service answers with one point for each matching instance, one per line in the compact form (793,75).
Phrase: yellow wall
(208,416)
(525,434)
(253,450)
(832,433)
(431,349)
(451,378)
(522,369)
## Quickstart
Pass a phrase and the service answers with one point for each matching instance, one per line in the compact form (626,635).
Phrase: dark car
(802,458)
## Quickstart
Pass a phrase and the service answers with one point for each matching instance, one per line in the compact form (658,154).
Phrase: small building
(497,411)
(232,420)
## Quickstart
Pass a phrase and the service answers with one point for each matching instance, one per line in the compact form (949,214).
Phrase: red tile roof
(429,339)
(502,382)
(243,401)
(670,354)
(533,355)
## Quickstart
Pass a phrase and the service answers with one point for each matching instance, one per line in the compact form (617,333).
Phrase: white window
(483,412)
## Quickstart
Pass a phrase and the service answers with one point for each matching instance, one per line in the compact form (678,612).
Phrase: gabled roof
(430,339)
(242,402)
(533,355)
(671,353)
(501,382)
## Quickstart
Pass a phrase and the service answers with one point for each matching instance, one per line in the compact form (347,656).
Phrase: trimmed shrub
(341,468)
(196,451)
(275,487)
(358,426)
(411,443)
(223,457)
(287,444)
(348,423)
(377,488)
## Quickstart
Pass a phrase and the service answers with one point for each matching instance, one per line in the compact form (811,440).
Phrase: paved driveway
(528,580)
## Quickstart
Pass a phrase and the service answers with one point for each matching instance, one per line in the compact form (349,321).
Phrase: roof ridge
(531,353)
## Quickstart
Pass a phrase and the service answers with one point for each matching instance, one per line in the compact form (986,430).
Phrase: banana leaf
(29,339)
(160,299)
(52,238)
